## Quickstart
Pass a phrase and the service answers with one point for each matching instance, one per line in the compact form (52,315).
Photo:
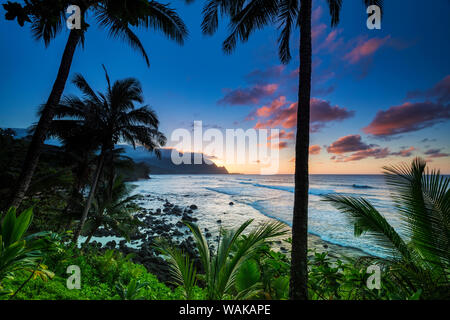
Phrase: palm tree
(223,266)
(48,18)
(420,259)
(112,117)
(113,206)
(246,17)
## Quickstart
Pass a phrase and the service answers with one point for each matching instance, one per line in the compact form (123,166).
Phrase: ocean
(271,197)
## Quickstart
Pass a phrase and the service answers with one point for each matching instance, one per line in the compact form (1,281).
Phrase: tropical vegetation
(55,200)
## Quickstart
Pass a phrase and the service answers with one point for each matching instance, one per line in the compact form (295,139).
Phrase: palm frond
(422,198)
(287,16)
(367,219)
(255,15)
(335,11)
(162,17)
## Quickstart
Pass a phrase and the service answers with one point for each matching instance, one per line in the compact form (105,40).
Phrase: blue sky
(359,72)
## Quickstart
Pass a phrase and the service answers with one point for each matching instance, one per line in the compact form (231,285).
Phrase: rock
(158,211)
(219,221)
(231,203)
(179,224)
(193,207)
(177,233)
(325,246)
(208,235)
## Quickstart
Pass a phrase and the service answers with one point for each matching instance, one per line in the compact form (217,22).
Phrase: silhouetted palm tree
(111,118)
(246,17)
(48,18)
(114,206)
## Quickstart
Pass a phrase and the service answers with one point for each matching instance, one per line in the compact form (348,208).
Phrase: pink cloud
(248,96)
(314,149)
(436,153)
(377,153)
(440,92)
(407,117)
(366,49)
(347,144)
(404,153)
(279,114)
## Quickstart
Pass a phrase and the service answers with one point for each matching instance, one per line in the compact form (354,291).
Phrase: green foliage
(103,277)
(19,251)
(420,263)
(113,208)
(132,291)
(223,266)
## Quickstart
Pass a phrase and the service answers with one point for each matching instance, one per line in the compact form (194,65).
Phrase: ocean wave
(361,186)
(366,248)
(313,191)
(227,191)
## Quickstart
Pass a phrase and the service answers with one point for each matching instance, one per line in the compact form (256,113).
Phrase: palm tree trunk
(298,289)
(34,150)
(91,234)
(98,171)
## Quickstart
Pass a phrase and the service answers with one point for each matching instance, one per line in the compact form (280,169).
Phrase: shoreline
(165,222)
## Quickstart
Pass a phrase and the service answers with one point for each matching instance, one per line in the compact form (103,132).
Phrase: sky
(379,97)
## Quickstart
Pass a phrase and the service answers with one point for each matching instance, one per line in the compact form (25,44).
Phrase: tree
(114,206)
(246,17)
(420,259)
(111,117)
(221,267)
(48,18)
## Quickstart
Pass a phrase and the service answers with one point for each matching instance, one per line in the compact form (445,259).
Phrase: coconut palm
(221,267)
(419,257)
(48,18)
(110,118)
(113,208)
(246,17)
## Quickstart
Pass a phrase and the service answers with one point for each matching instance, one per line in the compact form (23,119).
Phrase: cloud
(377,153)
(347,144)
(428,140)
(406,118)
(281,145)
(404,153)
(440,92)
(331,43)
(361,150)
(283,134)
(314,149)
(365,48)
(282,114)
(322,111)
(263,76)
(317,31)
(316,14)
(436,153)
(248,96)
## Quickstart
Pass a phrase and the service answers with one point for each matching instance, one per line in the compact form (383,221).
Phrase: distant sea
(264,197)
